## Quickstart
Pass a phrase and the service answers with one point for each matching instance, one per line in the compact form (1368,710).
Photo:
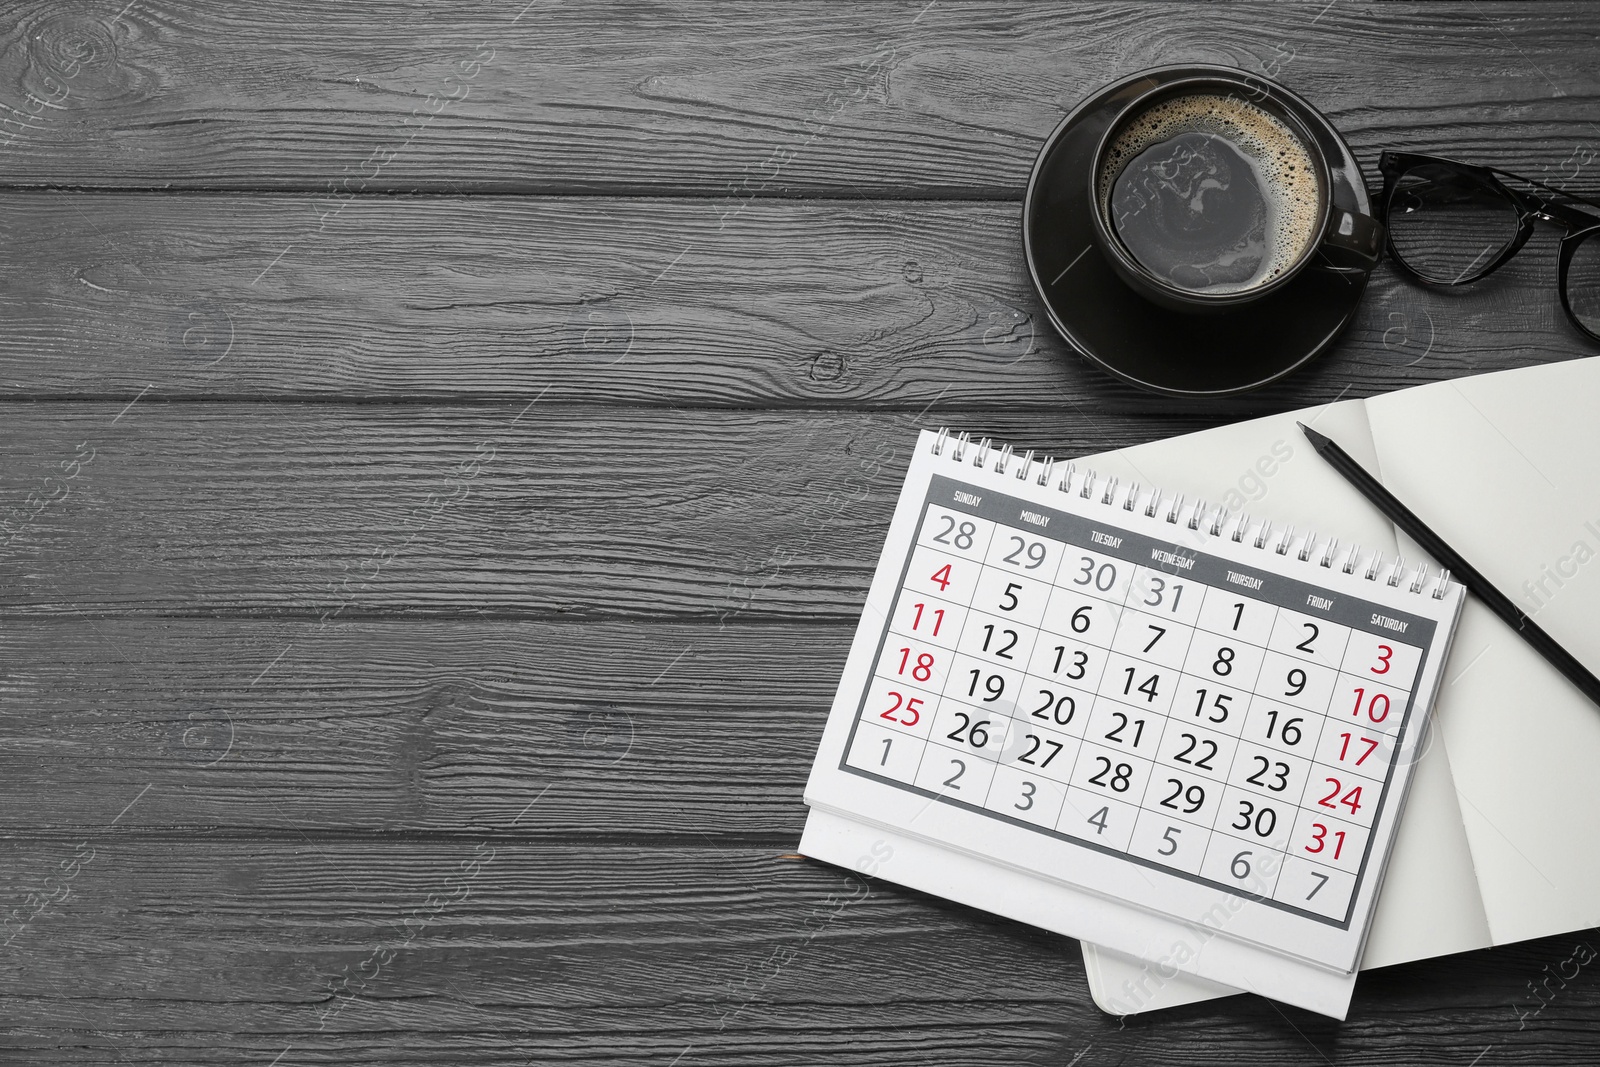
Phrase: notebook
(1194,730)
(1496,843)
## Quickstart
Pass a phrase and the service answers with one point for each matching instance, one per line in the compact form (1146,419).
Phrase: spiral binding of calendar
(1089,485)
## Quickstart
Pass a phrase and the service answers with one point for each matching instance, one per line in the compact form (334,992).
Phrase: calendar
(1159,703)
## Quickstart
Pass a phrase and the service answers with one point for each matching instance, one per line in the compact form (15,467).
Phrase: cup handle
(1354,242)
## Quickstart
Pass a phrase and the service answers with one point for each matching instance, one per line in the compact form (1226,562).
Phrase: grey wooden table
(445,450)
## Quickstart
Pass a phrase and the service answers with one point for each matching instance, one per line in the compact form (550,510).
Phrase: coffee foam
(1285,165)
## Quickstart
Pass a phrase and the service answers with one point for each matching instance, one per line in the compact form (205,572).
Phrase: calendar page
(1180,710)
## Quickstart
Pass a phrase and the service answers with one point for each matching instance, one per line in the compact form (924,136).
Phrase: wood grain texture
(351,951)
(905,306)
(329,511)
(417,613)
(594,731)
(729,101)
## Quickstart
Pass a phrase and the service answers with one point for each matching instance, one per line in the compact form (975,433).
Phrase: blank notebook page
(1506,467)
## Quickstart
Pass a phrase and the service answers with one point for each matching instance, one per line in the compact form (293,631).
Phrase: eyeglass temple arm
(1392,162)
(1563,193)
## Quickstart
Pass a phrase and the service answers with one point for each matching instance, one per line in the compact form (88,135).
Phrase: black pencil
(1434,545)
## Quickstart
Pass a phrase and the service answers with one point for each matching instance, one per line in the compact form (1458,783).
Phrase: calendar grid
(1220,827)
(1059,618)
(923,755)
(1093,695)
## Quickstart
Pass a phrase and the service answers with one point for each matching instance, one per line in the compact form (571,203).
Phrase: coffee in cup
(1209,193)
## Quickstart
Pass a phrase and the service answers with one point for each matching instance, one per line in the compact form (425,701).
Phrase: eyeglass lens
(1583,283)
(1447,226)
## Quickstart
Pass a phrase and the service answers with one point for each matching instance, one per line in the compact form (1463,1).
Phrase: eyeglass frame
(1581,225)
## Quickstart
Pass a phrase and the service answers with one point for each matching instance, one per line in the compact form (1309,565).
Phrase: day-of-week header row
(1172,558)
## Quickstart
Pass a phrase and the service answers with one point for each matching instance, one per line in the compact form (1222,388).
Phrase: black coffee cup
(1209,193)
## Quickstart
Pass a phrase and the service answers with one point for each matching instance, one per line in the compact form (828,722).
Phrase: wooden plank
(638,302)
(738,101)
(328,511)
(482,952)
(599,731)
(475,949)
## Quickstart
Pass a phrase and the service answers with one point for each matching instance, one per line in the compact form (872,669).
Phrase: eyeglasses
(1452,223)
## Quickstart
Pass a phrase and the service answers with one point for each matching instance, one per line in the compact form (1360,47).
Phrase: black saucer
(1172,352)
